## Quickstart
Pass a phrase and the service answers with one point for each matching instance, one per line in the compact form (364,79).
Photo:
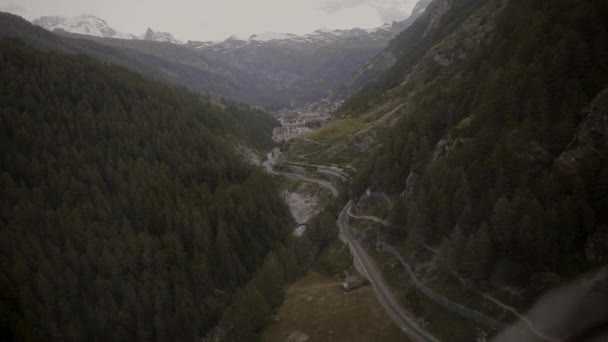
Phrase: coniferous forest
(124,215)
(463,181)
(505,163)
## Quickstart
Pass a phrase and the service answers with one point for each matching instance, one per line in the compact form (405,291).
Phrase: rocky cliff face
(154,36)
(594,128)
(591,136)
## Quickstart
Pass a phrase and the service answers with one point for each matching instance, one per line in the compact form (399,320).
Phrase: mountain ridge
(92,25)
(305,68)
(157,36)
(320,36)
(87,24)
(270,70)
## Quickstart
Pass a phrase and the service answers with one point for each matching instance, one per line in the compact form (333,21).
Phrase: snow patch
(268,36)
(155,36)
(86,24)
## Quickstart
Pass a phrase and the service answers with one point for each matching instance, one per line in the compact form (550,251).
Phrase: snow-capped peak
(321,36)
(86,24)
(155,36)
(325,30)
(236,38)
(92,25)
(267,36)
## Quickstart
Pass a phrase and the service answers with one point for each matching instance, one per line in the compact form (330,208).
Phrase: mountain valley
(443,177)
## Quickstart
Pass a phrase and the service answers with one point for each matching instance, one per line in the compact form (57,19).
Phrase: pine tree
(503,225)
(443,258)
(477,255)
(270,280)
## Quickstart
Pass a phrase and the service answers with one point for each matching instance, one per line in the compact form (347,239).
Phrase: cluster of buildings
(302,120)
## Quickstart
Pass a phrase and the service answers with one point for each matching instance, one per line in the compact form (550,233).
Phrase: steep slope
(425,46)
(440,20)
(425,10)
(487,160)
(124,212)
(489,135)
(14,26)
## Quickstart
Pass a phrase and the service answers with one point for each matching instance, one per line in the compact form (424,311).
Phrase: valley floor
(317,307)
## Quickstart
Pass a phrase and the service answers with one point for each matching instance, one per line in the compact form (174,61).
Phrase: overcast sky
(218,19)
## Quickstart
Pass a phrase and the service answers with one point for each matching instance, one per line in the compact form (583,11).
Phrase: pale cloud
(218,19)
(388,10)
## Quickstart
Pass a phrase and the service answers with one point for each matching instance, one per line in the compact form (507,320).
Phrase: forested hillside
(500,157)
(123,214)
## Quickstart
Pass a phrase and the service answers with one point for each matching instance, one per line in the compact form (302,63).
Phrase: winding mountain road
(313,141)
(268,165)
(430,293)
(369,218)
(364,264)
(330,170)
(367,268)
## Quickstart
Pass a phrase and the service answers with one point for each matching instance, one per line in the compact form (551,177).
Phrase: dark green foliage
(253,305)
(498,120)
(322,229)
(123,214)
(477,254)
(252,125)
(251,309)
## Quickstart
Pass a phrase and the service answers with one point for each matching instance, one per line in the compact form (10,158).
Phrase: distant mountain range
(302,69)
(91,25)
(318,37)
(271,70)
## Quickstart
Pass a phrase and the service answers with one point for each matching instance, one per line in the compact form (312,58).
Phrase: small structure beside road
(352,283)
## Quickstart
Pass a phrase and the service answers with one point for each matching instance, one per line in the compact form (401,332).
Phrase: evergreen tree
(477,255)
